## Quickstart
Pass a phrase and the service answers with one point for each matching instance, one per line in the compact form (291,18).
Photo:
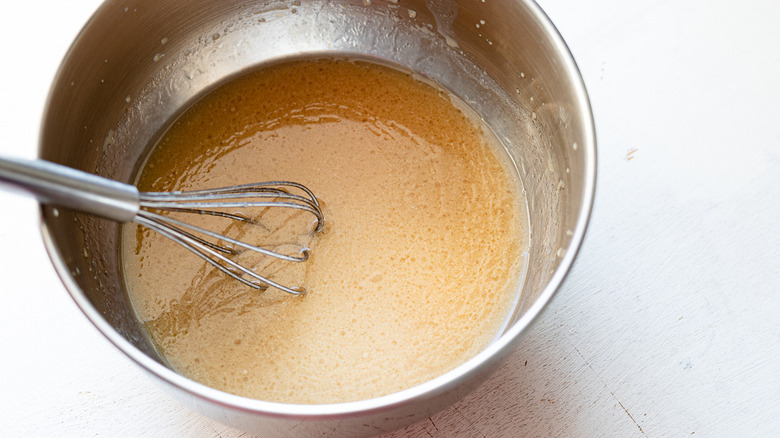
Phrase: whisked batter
(416,270)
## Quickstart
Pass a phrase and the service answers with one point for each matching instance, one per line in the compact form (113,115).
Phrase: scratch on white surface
(446,424)
(610,392)
(628,413)
(471,423)
(216,433)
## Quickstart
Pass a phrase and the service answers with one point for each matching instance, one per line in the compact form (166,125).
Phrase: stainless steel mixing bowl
(138,63)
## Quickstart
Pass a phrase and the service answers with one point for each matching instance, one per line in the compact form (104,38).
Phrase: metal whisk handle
(55,184)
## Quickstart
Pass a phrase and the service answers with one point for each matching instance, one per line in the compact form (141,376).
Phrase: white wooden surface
(668,325)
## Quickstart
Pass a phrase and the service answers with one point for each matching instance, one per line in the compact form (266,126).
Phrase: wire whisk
(59,185)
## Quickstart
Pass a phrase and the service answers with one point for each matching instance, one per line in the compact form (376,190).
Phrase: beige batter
(416,271)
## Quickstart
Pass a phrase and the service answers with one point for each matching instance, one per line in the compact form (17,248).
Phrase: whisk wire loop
(172,224)
(204,251)
(200,201)
(215,247)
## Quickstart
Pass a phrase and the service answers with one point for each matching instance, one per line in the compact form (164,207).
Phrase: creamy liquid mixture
(416,271)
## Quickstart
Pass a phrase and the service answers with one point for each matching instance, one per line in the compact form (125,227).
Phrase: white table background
(668,325)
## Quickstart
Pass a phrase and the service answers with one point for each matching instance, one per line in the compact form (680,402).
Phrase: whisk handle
(55,184)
